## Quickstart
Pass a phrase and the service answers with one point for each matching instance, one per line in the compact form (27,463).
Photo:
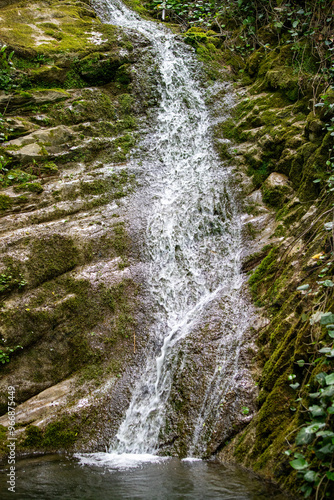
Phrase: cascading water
(192,245)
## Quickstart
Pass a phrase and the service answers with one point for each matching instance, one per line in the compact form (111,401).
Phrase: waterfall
(192,244)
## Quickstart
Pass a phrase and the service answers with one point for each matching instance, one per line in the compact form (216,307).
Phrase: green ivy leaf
(326,318)
(305,435)
(299,464)
(300,362)
(317,411)
(330,475)
(294,386)
(303,287)
(328,449)
(329,379)
(321,378)
(328,434)
(325,350)
(311,476)
(306,489)
(328,392)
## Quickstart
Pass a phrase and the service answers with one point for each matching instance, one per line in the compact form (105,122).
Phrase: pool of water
(101,476)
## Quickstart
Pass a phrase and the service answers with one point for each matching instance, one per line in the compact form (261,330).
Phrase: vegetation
(314,443)
(6,352)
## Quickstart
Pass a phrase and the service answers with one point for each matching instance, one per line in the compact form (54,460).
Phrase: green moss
(11,279)
(48,168)
(113,187)
(33,187)
(127,103)
(51,257)
(122,147)
(123,322)
(92,106)
(259,173)
(120,239)
(195,36)
(92,372)
(137,5)
(5,202)
(33,437)
(275,196)
(61,434)
(99,70)
(95,187)
(283,78)
(3,440)
(263,272)
(15,176)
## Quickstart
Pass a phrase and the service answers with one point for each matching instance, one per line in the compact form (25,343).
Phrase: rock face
(284,148)
(276,190)
(70,306)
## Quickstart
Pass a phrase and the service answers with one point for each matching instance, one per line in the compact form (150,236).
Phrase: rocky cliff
(73,92)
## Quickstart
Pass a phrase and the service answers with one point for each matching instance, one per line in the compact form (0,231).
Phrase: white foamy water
(117,461)
(192,243)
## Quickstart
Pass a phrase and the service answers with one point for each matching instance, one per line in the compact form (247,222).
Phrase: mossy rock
(99,70)
(51,257)
(276,190)
(195,35)
(61,434)
(263,272)
(253,62)
(48,75)
(314,129)
(33,187)
(6,202)
(36,31)
(283,78)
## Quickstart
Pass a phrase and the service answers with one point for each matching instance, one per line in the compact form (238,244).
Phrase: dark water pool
(101,477)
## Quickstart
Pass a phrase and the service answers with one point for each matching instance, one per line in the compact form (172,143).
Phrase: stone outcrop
(72,327)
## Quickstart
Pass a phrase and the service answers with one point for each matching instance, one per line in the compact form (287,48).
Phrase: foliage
(6,69)
(9,282)
(306,27)
(6,352)
(191,11)
(15,176)
(315,439)
(245,410)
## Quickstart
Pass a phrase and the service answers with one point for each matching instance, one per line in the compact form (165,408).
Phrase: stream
(191,252)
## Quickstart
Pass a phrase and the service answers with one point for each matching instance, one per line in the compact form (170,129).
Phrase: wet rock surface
(72,318)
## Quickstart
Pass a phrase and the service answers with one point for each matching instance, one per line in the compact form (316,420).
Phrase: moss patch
(59,435)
